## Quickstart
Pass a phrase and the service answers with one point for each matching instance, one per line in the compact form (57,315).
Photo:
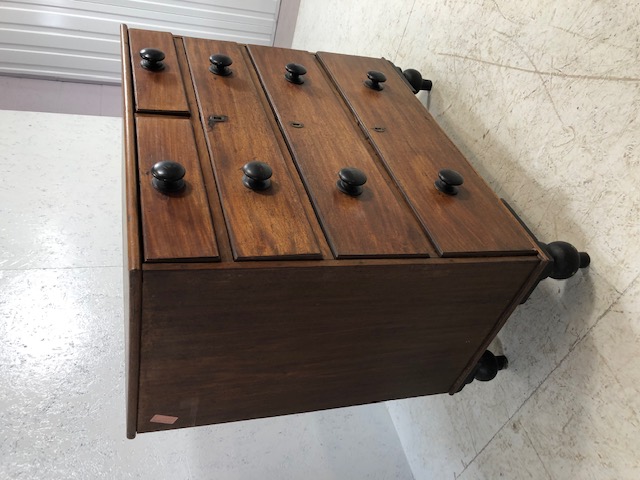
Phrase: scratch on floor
(535,70)
(503,15)
(542,72)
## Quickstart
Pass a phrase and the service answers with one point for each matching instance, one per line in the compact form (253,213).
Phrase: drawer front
(157,91)
(175,226)
(414,149)
(262,224)
(324,139)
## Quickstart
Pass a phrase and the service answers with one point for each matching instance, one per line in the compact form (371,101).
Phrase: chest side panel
(228,345)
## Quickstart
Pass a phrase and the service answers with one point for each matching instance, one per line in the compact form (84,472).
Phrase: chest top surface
(288,155)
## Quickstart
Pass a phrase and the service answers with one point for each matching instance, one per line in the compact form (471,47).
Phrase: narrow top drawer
(158,88)
(415,149)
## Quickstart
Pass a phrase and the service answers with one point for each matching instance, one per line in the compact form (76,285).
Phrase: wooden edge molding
(131,238)
(524,289)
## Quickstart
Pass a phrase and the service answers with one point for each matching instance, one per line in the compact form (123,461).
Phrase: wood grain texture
(264,224)
(524,293)
(333,263)
(176,226)
(414,148)
(374,224)
(219,226)
(131,237)
(220,346)
(501,321)
(157,92)
(131,217)
(132,286)
(325,249)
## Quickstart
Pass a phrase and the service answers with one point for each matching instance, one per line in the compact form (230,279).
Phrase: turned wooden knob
(414,77)
(257,175)
(449,181)
(294,74)
(351,180)
(152,59)
(168,176)
(374,80)
(220,64)
(487,368)
(489,365)
(566,259)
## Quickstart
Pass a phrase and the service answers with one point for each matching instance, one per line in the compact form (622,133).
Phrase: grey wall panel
(79,40)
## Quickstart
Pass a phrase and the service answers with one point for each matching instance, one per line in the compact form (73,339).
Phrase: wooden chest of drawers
(263,277)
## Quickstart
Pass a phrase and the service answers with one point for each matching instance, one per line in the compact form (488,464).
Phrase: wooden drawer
(304,293)
(262,224)
(324,139)
(175,226)
(414,149)
(157,90)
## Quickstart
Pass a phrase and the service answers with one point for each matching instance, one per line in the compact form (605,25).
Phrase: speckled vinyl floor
(543,99)
(62,338)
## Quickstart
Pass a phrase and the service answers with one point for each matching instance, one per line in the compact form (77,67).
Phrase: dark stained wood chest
(245,302)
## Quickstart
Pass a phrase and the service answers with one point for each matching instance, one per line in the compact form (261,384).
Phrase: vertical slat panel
(78,40)
(377,223)
(263,224)
(132,241)
(414,149)
(157,91)
(176,226)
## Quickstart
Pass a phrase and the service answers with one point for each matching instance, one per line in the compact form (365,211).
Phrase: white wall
(543,97)
(79,39)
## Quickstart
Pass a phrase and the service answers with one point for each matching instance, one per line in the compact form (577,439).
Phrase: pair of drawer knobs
(220,66)
(168,177)
(152,60)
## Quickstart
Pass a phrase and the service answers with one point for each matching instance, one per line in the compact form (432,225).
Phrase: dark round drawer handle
(449,181)
(257,175)
(152,59)
(374,80)
(220,64)
(294,74)
(168,176)
(351,180)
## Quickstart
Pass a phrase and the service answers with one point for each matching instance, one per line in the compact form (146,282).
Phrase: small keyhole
(217,119)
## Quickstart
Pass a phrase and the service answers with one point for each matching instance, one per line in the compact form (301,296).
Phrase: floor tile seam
(404,451)
(571,349)
(604,360)
(58,268)
(526,433)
